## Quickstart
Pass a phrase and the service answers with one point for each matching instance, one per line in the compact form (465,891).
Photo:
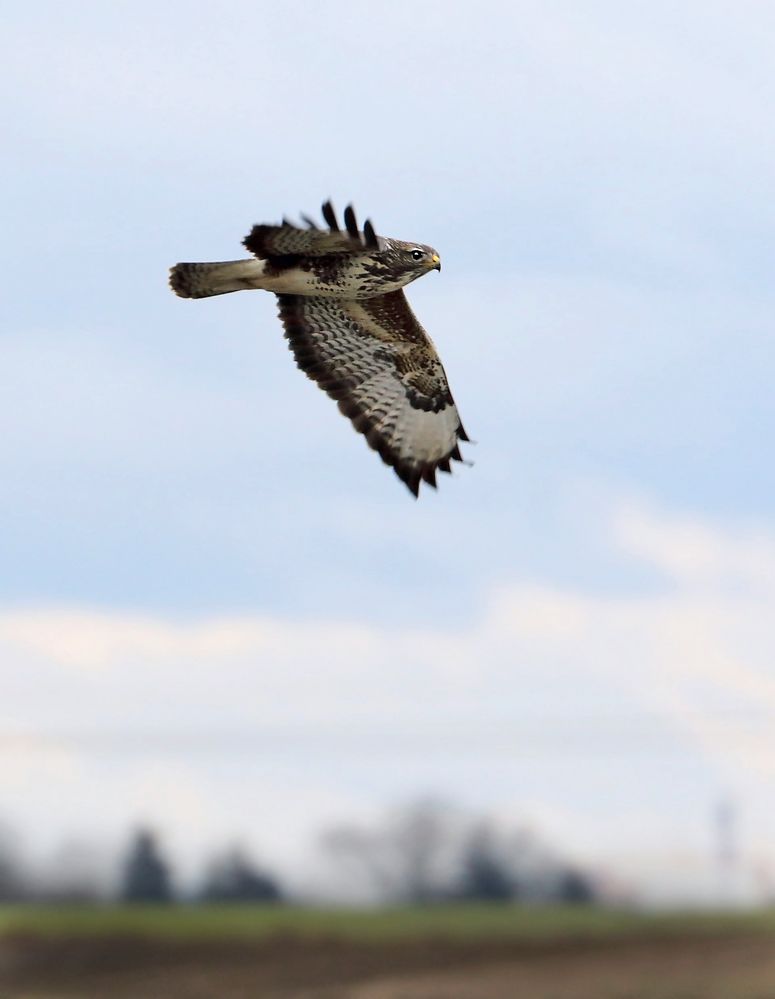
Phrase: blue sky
(183,512)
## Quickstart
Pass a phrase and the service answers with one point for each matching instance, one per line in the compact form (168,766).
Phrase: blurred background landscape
(242,671)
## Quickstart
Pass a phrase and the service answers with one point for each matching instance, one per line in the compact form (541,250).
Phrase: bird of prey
(352,331)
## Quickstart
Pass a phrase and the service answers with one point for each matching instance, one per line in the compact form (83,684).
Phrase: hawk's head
(408,261)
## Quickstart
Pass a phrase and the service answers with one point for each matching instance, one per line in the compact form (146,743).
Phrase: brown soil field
(120,967)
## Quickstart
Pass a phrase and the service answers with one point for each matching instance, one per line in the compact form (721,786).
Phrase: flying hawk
(352,331)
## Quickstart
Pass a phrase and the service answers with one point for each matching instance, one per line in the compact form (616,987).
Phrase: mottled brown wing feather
(289,240)
(377,361)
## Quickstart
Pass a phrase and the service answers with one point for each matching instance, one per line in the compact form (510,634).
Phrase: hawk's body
(351,329)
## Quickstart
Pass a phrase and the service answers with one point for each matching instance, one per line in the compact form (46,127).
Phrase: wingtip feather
(369,236)
(330,216)
(351,223)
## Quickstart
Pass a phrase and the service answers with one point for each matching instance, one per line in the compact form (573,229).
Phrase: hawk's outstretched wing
(375,358)
(266,241)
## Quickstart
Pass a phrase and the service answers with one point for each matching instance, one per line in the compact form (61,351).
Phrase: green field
(462,922)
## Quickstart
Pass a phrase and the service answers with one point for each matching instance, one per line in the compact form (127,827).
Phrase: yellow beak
(436,261)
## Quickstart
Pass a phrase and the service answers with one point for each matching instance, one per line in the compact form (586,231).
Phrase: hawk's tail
(205,280)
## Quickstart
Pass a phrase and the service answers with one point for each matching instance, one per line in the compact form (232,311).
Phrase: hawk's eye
(417,254)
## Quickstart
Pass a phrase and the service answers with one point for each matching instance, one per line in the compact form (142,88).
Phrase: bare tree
(408,859)
(361,865)
(424,839)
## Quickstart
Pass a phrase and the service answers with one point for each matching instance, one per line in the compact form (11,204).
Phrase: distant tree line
(145,875)
(430,852)
(424,853)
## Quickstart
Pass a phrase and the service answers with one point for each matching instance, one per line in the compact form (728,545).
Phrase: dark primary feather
(350,223)
(370,237)
(330,216)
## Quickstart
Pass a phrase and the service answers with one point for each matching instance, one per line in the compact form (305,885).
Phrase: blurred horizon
(221,616)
